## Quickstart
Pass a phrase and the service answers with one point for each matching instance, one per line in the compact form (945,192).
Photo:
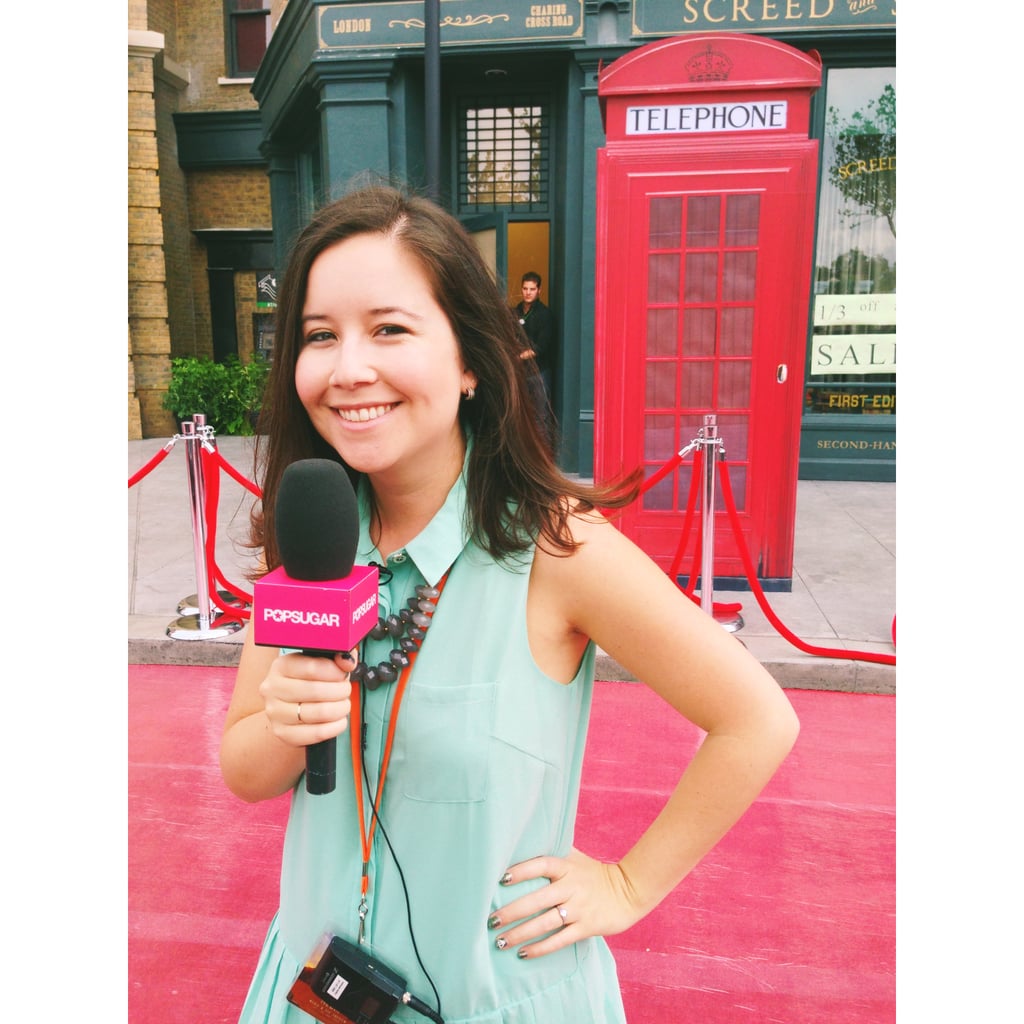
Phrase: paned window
(247,32)
(504,154)
(701,286)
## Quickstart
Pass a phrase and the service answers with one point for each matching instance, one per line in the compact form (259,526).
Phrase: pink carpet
(790,920)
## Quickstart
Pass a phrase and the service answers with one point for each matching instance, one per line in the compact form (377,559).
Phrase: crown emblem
(709,66)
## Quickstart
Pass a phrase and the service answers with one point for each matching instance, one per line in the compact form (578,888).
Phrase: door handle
(781,373)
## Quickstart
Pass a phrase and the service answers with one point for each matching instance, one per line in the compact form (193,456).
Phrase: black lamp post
(432,95)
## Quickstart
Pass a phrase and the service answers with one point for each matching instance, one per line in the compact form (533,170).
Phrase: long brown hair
(516,493)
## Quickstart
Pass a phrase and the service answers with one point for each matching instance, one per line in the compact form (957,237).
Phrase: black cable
(418,1005)
(421,1007)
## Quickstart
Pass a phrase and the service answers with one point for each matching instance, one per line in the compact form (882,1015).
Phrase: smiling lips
(366,413)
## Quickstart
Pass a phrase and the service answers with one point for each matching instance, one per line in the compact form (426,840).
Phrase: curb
(148,646)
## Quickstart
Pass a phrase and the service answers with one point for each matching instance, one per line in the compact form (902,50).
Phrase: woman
(397,357)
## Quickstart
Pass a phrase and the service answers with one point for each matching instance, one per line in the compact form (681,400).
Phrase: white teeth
(364,414)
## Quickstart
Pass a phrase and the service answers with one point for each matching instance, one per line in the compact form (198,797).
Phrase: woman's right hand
(280,705)
(307,699)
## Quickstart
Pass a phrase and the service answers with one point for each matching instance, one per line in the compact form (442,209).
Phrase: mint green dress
(485,772)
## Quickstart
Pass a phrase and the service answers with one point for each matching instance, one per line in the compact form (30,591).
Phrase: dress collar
(437,545)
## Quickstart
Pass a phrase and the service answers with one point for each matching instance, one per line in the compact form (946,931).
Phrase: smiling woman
(380,374)
(398,358)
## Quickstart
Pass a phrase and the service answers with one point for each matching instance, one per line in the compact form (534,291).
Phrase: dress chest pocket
(442,742)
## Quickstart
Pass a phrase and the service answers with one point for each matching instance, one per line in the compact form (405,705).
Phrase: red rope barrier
(214,575)
(151,465)
(730,506)
(717,607)
(691,504)
(232,472)
(662,473)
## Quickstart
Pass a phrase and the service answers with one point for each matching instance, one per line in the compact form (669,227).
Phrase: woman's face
(380,374)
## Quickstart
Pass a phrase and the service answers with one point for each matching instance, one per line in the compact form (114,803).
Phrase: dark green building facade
(507,103)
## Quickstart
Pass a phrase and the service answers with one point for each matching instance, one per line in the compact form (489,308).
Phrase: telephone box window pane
(659,497)
(702,216)
(696,391)
(741,219)
(734,384)
(659,439)
(701,283)
(663,278)
(683,477)
(661,385)
(662,330)
(699,332)
(739,276)
(733,430)
(666,220)
(738,480)
(689,425)
(737,331)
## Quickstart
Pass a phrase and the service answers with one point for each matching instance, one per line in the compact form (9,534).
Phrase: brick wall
(201,44)
(177,235)
(229,197)
(168,290)
(245,307)
(148,331)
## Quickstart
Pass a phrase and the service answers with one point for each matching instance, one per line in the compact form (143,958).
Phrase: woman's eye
(319,336)
(391,330)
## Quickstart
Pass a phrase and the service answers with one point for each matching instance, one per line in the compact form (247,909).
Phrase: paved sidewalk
(843,596)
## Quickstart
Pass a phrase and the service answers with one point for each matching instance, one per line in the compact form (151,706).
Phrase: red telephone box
(705,234)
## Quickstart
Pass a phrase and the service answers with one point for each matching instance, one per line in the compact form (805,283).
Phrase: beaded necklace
(407,628)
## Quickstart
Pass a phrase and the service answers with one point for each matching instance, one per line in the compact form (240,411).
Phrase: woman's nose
(352,366)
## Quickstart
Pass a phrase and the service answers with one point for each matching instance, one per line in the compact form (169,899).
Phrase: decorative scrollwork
(462,21)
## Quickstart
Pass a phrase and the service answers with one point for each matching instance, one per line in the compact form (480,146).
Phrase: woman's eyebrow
(390,310)
(376,311)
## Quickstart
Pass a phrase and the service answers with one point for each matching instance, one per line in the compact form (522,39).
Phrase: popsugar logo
(301,618)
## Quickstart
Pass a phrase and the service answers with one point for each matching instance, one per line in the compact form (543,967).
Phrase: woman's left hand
(584,897)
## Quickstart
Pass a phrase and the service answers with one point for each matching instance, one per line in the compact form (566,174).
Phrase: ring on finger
(298,712)
(562,913)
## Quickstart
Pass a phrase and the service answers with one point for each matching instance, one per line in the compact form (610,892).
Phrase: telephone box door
(704,262)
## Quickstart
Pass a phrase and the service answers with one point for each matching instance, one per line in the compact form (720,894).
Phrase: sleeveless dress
(484,773)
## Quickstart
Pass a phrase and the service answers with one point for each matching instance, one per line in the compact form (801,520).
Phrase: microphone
(316,600)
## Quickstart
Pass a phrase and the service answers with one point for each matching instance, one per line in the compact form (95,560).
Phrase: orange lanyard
(366,835)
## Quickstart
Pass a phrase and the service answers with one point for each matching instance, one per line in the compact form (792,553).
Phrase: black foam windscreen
(316,521)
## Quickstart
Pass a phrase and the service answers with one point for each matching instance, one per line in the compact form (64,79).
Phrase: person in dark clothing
(538,325)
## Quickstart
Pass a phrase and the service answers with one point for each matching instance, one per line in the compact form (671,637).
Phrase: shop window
(504,154)
(246,32)
(853,347)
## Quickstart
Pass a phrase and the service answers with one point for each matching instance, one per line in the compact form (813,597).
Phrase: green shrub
(229,394)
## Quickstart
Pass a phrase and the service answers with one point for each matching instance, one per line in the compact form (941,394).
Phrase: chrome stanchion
(203,625)
(713,450)
(191,605)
